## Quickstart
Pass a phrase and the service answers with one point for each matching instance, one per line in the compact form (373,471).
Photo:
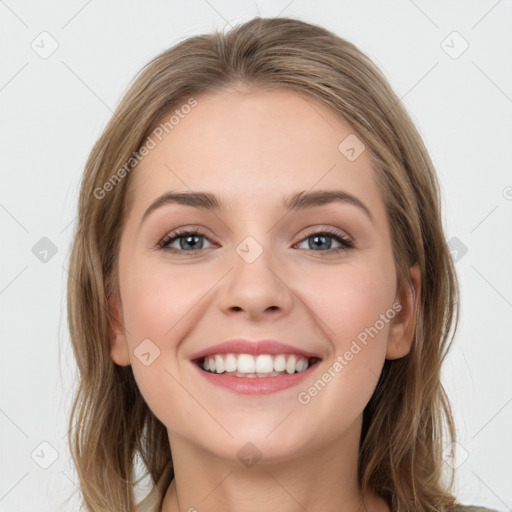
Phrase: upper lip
(256,347)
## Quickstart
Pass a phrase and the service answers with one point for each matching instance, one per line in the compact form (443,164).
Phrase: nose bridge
(254,284)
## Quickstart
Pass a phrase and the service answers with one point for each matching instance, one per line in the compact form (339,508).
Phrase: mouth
(246,374)
(252,366)
(249,367)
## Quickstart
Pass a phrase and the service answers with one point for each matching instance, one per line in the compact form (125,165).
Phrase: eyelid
(329,230)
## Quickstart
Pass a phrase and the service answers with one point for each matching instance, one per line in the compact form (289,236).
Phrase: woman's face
(260,269)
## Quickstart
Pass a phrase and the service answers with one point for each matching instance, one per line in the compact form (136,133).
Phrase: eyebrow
(297,201)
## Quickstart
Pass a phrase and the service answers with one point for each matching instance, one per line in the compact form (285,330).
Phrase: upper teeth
(260,364)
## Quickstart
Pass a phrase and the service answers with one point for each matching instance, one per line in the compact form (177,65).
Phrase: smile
(252,375)
(255,366)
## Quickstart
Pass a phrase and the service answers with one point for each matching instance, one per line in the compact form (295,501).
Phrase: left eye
(321,239)
(191,239)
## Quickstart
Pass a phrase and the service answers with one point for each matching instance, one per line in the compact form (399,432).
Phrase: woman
(220,335)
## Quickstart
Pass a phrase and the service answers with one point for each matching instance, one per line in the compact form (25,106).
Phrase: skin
(252,148)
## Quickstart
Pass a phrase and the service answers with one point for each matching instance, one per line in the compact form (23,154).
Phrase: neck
(323,480)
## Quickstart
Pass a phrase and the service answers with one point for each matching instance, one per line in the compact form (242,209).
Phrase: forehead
(252,147)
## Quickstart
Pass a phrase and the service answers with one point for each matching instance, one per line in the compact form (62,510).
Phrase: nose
(256,288)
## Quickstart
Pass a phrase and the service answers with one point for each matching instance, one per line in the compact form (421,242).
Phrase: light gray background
(53,110)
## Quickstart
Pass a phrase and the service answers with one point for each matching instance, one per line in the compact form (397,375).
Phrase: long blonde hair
(404,422)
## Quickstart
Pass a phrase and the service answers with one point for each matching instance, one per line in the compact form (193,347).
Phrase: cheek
(355,308)
(159,297)
(347,299)
(159,304)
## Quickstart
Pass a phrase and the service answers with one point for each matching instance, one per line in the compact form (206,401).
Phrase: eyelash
(345,242)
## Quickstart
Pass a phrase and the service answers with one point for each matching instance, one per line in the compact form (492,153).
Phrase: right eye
(184,238)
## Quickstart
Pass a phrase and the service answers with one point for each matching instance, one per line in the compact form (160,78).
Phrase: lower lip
(256,385)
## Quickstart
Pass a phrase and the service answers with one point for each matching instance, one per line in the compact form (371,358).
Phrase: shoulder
(470,508)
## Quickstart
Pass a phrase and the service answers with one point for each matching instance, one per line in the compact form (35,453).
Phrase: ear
(401,331)
(118,344)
